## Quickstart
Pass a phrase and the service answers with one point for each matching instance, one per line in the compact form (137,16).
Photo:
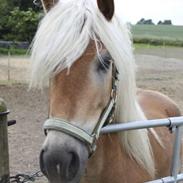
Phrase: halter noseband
(106,117)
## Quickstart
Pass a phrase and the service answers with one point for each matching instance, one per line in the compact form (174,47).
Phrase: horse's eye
(104,63)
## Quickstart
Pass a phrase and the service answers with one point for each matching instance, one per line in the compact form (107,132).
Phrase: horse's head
(78,97)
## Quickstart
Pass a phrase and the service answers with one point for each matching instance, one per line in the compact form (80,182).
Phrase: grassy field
(158,34)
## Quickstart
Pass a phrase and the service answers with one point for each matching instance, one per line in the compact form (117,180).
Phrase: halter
(107,116)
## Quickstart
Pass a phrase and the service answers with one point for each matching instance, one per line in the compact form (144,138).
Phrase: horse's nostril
(41,162)
(73,166)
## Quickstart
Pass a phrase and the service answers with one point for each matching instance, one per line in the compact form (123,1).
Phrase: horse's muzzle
(63,162)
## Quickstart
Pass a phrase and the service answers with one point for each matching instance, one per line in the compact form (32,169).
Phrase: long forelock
(63,37)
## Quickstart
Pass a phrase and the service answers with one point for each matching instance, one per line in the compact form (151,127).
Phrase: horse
(83,52)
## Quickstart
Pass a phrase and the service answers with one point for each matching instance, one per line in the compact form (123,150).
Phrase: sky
(134,10)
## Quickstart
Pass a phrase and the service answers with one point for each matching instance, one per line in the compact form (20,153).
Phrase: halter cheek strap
(72,130)
(68,128)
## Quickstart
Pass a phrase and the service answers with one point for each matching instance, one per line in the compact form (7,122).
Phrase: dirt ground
(159,69)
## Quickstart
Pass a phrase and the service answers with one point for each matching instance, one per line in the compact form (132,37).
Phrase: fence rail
(168,179)
(169,122)
(14,44)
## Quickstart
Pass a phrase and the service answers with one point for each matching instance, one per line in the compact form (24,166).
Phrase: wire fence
(14,68)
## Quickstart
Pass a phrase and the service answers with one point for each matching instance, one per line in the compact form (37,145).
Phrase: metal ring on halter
(105,118)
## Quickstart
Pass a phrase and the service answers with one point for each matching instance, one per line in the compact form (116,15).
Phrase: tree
(142,21)
(22,25)
(149,22)
(5,7)
(22,4)
(160,22)
(166,22)
(19,20)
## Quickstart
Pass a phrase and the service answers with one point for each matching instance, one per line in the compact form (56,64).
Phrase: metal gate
(174,125)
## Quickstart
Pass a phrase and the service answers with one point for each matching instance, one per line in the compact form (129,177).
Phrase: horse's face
(78,97)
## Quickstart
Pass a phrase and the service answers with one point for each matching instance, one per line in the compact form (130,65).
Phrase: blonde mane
(64,35)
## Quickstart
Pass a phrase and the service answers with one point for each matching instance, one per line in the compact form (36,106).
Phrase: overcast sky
(134,10)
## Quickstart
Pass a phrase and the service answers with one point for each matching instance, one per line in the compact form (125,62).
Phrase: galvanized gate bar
(174,124)
(117,127)
(168,179)
(176,153)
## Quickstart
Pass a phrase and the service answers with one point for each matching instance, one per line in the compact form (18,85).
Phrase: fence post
(4,154)
(9,68)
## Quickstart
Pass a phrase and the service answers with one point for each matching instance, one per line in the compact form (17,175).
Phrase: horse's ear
(48,4)
(107,8)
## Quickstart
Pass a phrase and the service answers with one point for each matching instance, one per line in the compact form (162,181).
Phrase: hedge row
(158,42)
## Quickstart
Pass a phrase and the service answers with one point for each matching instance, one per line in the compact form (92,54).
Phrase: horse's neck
(110,163)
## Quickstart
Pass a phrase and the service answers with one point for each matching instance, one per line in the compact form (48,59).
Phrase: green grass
(158,35)
(13,51)
(10,82)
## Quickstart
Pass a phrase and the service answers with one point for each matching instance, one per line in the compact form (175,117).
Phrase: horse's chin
(63,159)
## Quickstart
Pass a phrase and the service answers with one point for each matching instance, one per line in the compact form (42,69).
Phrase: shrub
(19,25)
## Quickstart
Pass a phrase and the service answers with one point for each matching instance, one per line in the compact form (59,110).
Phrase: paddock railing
(175,126)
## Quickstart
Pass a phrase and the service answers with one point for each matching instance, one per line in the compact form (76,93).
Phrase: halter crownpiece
(106,117)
